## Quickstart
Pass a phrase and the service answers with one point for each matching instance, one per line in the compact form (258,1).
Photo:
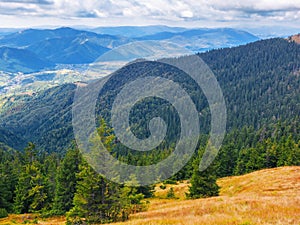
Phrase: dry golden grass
(266,197)
(179,190)
(31,219)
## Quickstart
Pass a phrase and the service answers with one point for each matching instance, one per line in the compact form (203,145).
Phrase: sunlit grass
(31,219)
(264,197)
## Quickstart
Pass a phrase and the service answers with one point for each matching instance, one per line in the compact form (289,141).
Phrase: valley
(35,59)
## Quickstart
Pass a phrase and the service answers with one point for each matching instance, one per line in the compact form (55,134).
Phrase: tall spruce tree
(96,199)
(203,183)
(66,182)
(31,191)
(31,194)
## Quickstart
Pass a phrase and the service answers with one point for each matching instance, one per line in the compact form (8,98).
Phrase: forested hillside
(260,83)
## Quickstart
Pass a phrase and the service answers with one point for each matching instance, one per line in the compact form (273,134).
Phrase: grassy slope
(269,196)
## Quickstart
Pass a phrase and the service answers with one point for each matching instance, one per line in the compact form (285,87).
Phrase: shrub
(163,187)
(3,213)
(171,193)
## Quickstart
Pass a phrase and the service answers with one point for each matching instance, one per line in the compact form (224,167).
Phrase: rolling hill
(199,40)
(29,37)
(69,50)
(63,45)
(136,31)
(21,60)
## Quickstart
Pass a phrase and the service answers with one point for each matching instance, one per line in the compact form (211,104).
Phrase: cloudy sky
(191,13)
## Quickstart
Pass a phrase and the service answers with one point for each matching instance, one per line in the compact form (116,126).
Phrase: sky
(252,14)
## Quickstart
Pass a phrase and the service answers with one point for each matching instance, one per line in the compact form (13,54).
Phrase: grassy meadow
(270,196)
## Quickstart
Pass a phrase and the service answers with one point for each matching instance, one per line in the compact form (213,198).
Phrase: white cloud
(159,11)
(187,14)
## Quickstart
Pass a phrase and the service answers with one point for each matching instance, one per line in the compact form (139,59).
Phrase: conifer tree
(31,191)
(31,194)
(203,183)
(96,199)
(5,189)
(66,182)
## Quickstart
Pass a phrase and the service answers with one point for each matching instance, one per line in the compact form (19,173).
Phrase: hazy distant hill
(63,45)
(70,46)
(136,31)
(69,50)
(260,83)
(29,37)
(21,60)
(199,40)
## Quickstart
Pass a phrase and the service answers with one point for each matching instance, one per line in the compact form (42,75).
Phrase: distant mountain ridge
(13,59)
(199,40)
(28,37)
(71,46)
(137,31)
(69,50)
(63,45)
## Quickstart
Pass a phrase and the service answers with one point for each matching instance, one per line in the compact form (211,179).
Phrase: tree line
(48,183)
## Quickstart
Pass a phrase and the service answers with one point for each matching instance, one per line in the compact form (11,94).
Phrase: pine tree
(31,194)
(96,199)
(131,197)
(31,191)
(66,182)
(9,172)
(227,159)
(203,183)
(5,191)
(49,169)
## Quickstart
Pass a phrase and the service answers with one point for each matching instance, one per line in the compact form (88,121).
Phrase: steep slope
(44,119)
(21,60)
(260,81)
(260,84)
(11,140)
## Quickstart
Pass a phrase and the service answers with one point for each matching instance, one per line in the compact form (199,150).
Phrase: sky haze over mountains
(279,17)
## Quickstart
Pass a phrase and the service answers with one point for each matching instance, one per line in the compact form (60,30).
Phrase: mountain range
(136,31)
(199,40)
(63,45)
(70,46)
